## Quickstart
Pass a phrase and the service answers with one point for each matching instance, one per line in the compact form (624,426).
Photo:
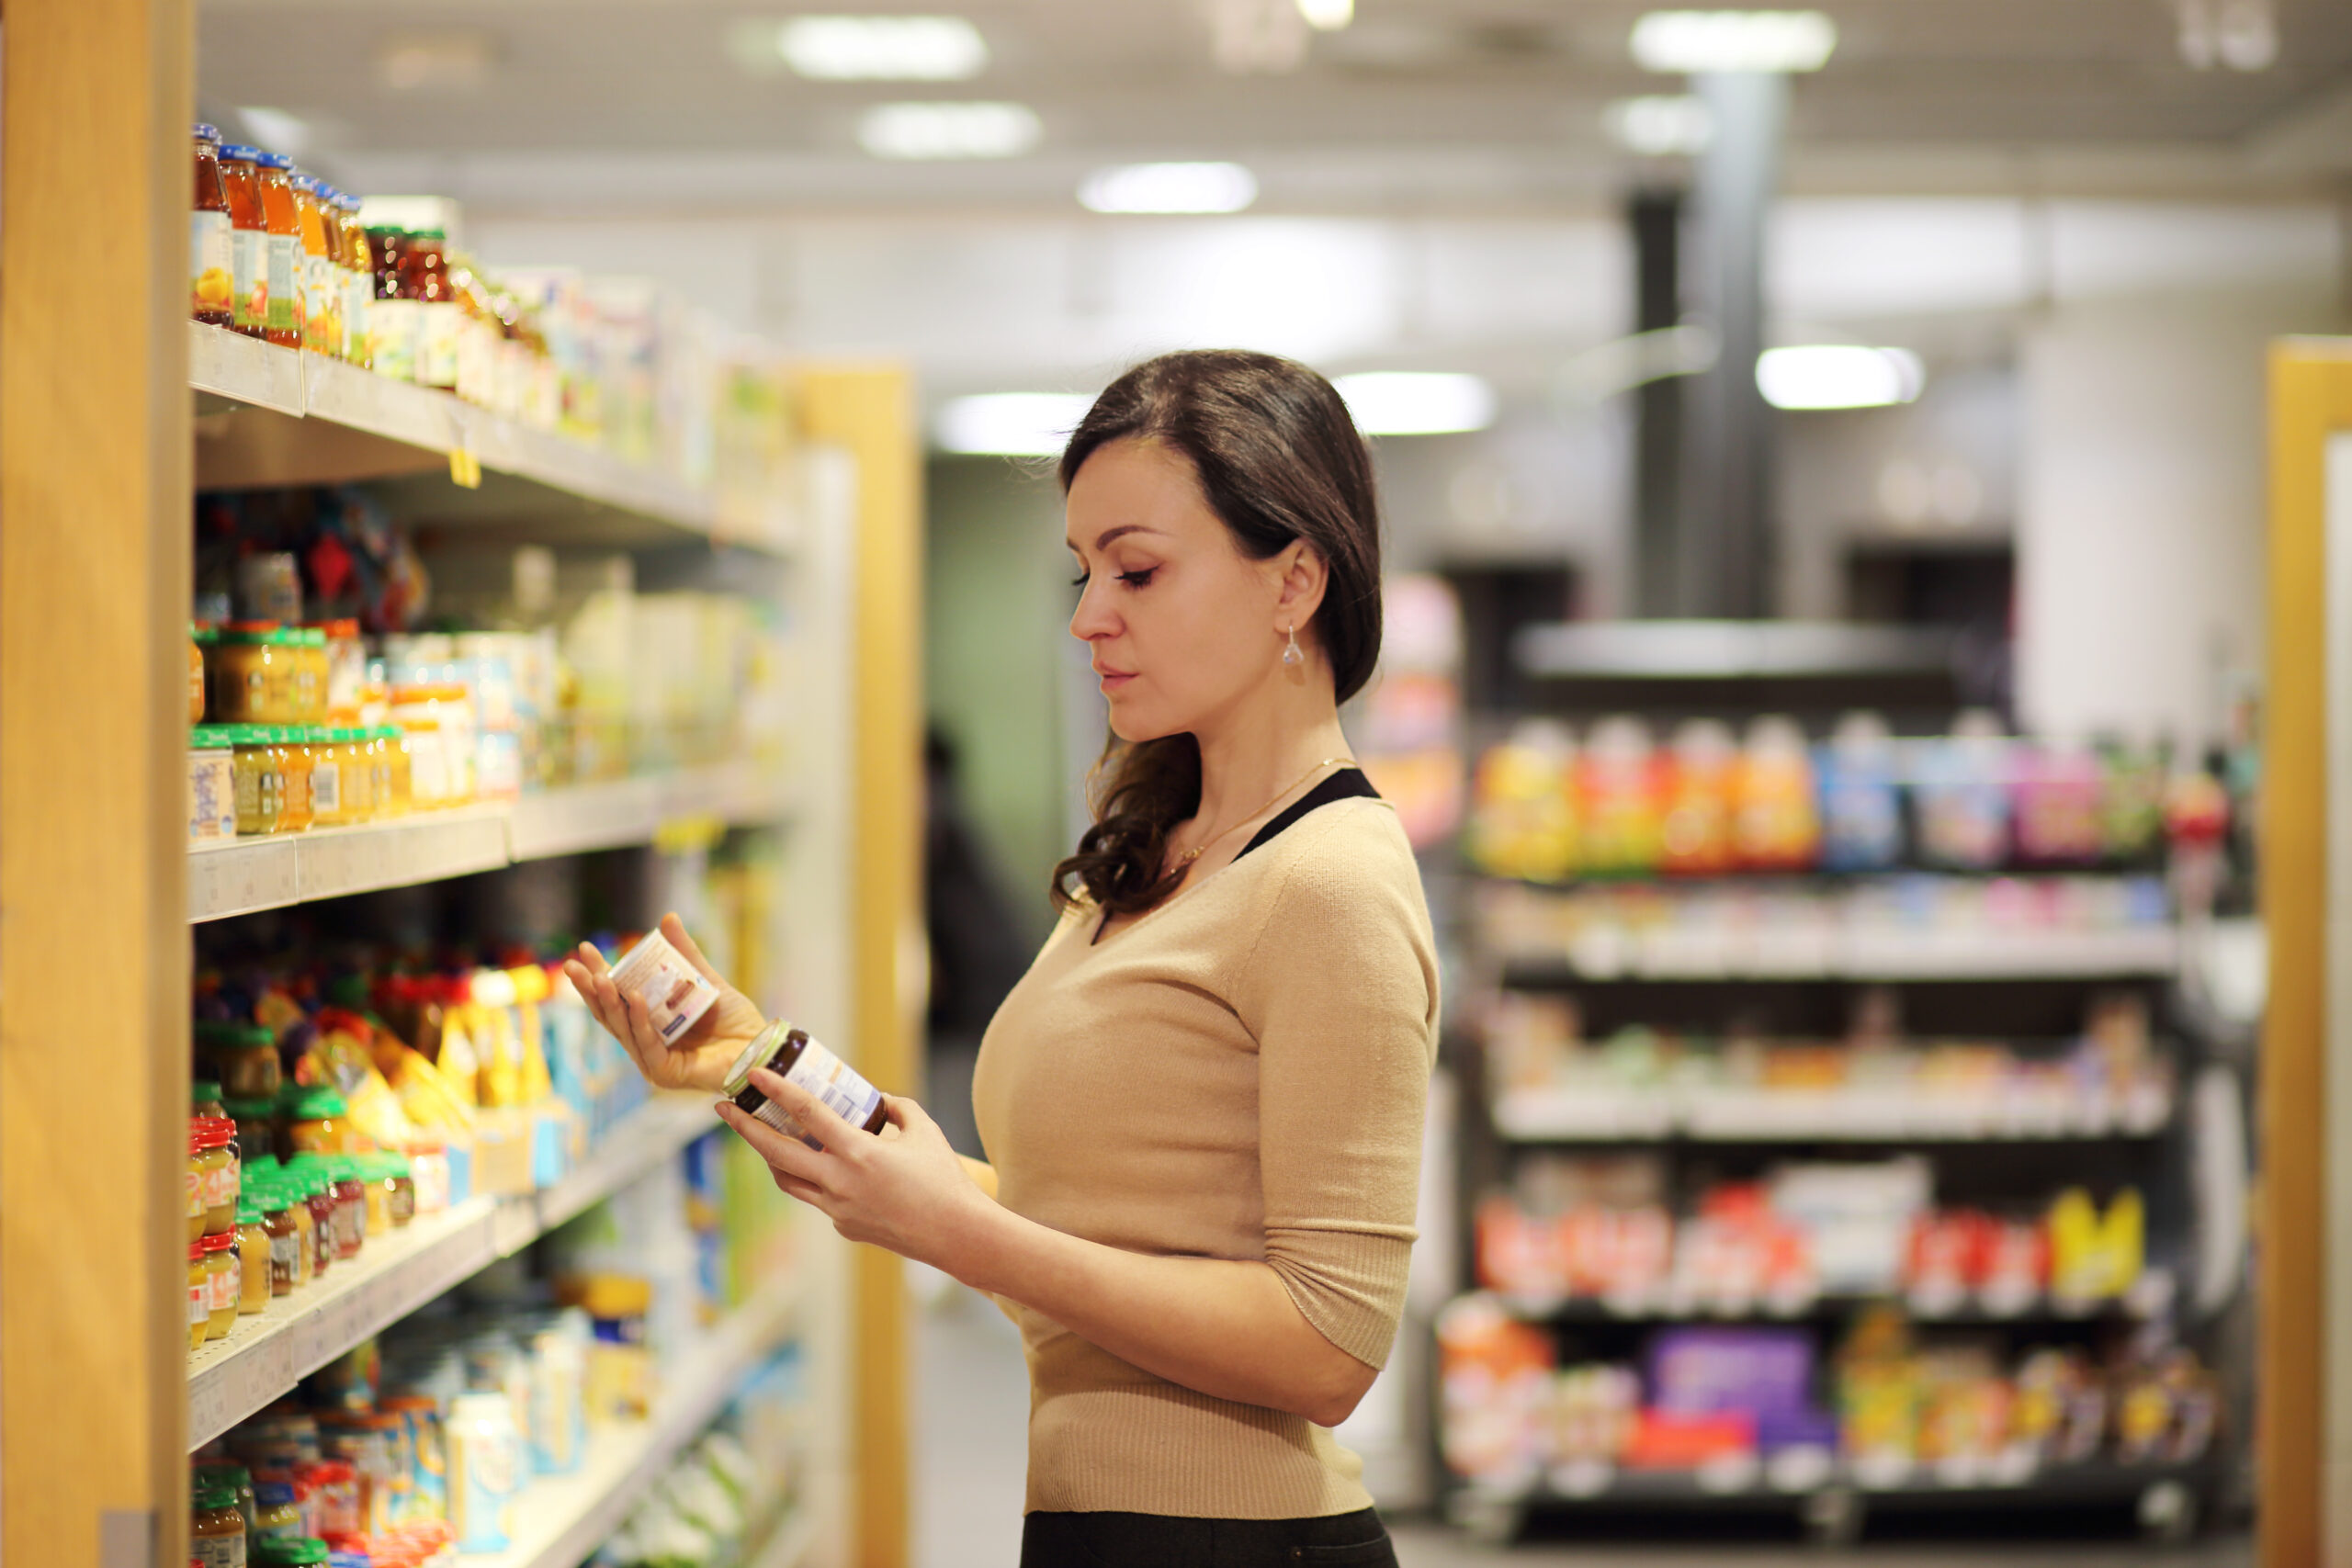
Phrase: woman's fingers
(823,1122)
(782,1151)
(674,930)
(792,1187)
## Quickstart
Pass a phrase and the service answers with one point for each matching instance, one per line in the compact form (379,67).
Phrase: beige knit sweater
(1240,1074)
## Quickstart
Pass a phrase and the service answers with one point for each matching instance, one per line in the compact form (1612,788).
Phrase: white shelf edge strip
(305,385)
(239,877)
(562,1519)
(264,1358)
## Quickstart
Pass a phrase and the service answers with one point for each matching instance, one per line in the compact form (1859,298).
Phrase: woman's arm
(982,1173)
(1225,1328)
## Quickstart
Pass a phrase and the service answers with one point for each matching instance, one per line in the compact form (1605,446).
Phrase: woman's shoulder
(1343,853)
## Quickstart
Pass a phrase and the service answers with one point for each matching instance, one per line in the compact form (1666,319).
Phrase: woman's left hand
(905,1189)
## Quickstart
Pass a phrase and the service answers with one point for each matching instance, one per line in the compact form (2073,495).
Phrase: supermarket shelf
(1608,1115)
(356,424)
(262,1359)
(1750,1481)
(2023,954)
(2043,1311)
(562,1519)
(1717,650)
(238,877)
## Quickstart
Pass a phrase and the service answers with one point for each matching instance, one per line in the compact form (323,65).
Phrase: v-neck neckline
(1348,783)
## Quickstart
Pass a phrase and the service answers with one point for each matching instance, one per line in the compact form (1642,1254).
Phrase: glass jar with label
(321,298)
(346,669)
(277,1518)
(329,799)
(256,1122)
(285,252)
(292,752)
(198,636)
(196,1204)
(358,283)
(216,1526)
(199,1297)
(212,278)
(393,790)
(257,778)
(316,1121)
(393,318)
(251,669)
(253,1258)
(425,272)
(248,240)
(216,1166)
(222,1270)
(792,1056)
(279,1222)
(243,1054)
(311,675)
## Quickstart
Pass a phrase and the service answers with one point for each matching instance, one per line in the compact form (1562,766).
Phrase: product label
(428,768)
(211,799)
(673,992)
(249,275)
(437,338)
(285,290)
(834,1083)
(196,1204)
(321,305)
(224,1283)
(285,1262)
(199,1301)
(212,265)
(218,1550)
(221,1189)
(326,789)
(391,337)
(359,291)
(484,1471)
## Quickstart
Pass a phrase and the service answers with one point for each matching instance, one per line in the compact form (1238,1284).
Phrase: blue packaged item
(1862,808)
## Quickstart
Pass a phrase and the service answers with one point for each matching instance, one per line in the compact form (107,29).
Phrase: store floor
(972,1405)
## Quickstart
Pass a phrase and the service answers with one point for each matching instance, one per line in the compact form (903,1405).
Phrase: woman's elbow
(1337,1386)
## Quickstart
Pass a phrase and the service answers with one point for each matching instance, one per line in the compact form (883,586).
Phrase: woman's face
(1183,625)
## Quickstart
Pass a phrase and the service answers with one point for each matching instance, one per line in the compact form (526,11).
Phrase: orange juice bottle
(248,239)
(280,217)
(322,311)
(212,238)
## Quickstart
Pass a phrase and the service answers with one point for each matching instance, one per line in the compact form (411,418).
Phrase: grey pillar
(1727,555)
(1656,216)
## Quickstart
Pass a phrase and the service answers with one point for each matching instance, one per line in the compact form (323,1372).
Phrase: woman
(1205,1099)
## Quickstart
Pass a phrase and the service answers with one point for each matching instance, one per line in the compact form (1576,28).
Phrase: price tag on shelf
(465,469)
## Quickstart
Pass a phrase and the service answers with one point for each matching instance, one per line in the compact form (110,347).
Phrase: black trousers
(1161,1541)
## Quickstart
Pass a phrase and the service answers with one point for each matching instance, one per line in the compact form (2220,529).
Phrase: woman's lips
(1115,678)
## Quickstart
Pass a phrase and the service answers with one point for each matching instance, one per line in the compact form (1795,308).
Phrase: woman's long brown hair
(1278,460)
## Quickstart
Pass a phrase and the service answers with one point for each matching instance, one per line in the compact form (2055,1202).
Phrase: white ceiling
(1422,107)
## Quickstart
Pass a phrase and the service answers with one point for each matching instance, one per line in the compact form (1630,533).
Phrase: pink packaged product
(673,992)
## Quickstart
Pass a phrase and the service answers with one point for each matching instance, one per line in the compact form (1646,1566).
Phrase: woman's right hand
(699,1058)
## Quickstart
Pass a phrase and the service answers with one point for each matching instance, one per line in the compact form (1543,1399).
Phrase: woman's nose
(1092,618)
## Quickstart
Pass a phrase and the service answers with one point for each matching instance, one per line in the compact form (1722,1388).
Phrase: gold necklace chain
(1189,856)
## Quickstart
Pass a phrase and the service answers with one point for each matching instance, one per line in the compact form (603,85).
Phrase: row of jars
(263,672)
(267,1503)
(259,1229)
(277,254)
(256,778)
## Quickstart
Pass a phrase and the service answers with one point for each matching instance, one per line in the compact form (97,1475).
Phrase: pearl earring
(1292,656)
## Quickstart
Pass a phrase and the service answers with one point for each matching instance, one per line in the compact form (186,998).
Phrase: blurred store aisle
(972,1434)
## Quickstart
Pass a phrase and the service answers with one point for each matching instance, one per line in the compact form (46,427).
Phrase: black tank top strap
(1348,783)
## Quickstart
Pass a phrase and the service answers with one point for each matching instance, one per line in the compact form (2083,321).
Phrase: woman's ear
(1299,587)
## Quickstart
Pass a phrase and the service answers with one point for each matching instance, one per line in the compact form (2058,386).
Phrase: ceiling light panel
(1010,424)
(1417,402)
(1170,187)
(926,132)
(1839,375)
(1697,43)
(883,49)
(1328,15)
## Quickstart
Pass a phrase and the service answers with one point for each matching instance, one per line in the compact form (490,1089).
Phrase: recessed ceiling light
(1010,424)
(948,130)
(1702,42)
(1417,402)
(1170,187)
(436,61)
(1328,15)
(1839,375)
(883,49)
(1676,127)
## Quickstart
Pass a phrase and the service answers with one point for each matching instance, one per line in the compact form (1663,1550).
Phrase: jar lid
(274,159)
(196,1251)
(203,1091)
(247,734)
(757,1054)
(316,1104)
(211,737)
(272,1495)
(248,1109)
(341,629)
(250,631)
(208,1132)
(228,1031)
(249,1207)
(309,183)
(317,734)
(226,1470)
(220,1242)
(244,151)
(289,1551)
(311,637)
(203,633)
(207,132)
(208,1497)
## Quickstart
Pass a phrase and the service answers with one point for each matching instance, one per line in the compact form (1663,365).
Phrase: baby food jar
(277,1517)
(350,1206)
(211,784)
(805,1064)
(244,1055)
(284,1236)
(257,778)
(216,1162)
(199,1297)
(253,1258)
(198,636)
(198,1191)
(290,1552)
(391,1185)
(330,800)
(227,1472)
(314,1121)
(388,745)
(286,743)
(222,1271)
(216,1529)
(250,673)
(256,1122)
